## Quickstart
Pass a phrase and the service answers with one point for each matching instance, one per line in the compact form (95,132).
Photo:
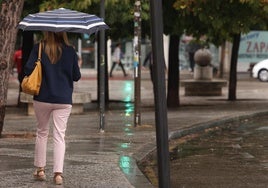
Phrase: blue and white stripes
(63,20)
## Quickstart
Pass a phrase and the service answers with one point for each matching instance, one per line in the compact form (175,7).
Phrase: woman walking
(59,70)
(117,55)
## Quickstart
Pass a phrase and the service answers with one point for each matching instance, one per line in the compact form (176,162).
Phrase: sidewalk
(108,160)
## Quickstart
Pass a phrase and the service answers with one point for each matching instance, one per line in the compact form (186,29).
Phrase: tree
(174,28)
(221,21)
(10,15)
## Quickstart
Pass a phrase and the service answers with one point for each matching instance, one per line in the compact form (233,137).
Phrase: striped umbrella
(63,20)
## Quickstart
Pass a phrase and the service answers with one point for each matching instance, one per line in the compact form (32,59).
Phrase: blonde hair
(53,44)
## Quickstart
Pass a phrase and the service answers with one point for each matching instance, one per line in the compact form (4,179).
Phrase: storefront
(253,48)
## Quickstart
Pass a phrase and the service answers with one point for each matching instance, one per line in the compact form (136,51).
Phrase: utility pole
(137,60)
(160,94)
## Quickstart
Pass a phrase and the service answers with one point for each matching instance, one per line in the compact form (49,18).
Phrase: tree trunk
(173,72)
(10,15)
(233,69)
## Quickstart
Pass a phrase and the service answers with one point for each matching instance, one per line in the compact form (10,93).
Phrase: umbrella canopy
(63,20)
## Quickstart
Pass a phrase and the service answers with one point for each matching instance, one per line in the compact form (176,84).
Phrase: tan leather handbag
(31,84)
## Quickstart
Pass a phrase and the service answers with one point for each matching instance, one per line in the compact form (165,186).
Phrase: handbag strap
(40,51)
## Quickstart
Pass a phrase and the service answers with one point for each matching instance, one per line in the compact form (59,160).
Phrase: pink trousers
(60,114)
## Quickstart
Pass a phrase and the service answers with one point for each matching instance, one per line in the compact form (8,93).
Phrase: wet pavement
(230,155)
(108,159)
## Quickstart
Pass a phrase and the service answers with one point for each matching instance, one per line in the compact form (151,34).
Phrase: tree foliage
(74,4)
(221,19)
(119,17)
(173,20)
(30,7)
(118,14)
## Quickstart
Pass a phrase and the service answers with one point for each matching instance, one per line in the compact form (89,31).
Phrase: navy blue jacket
(57,79)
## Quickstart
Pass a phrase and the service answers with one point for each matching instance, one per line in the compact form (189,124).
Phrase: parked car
(260,70)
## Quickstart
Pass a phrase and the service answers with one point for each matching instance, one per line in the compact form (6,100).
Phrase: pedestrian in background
(59,70)
(149,61)
(117,56)
(191,48)
(18,63)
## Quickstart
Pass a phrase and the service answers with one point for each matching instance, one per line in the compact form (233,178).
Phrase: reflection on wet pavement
(90,158)
(233,156)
